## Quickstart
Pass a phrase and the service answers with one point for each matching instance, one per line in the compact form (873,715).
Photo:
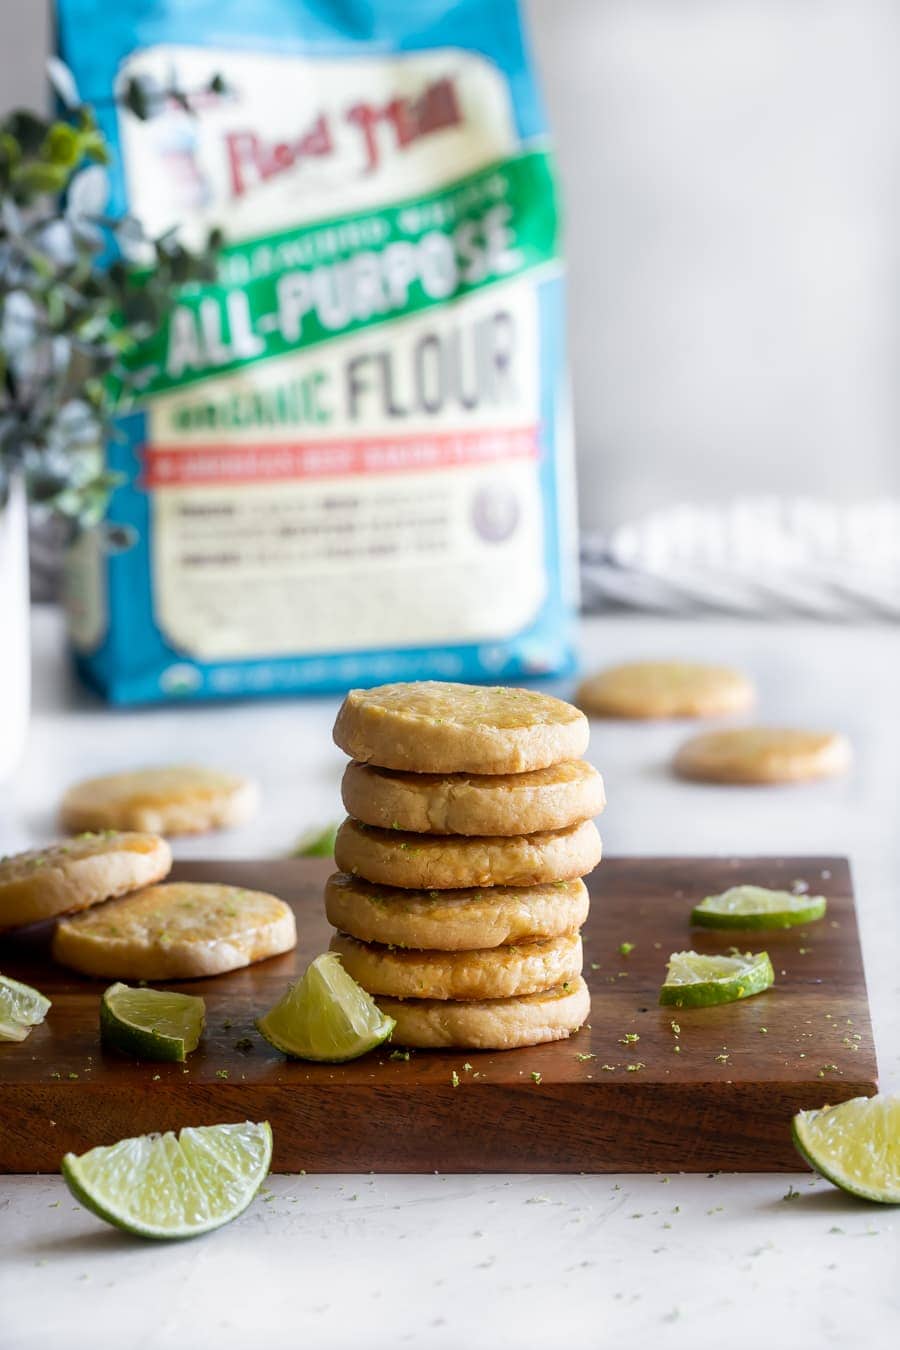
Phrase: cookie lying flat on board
(489,1024)
(658,689)
(180,799)
(455,862)
(178,931)
(451,921)
(434,727)
(763,755)
(498,972)
(62,878)
(508,804)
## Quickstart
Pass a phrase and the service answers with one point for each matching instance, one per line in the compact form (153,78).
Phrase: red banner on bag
(204,465)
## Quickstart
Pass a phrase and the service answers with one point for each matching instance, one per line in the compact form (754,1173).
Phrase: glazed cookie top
(61,878)
(180,930)
(435,727)
(763,755)
(174,799)
(658,689)
(183,912)
(428,803)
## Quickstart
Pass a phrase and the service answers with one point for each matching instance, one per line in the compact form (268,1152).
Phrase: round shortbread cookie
(433,727)
(450,921)
(427,803)
(657,689)
(489,1024)
(178,931)
(426,862)
(763,755)
(498,972)
(62,878)
(181,799)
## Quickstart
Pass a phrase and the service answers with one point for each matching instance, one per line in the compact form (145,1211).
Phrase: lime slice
(326,1016)
(151,1023)
(696,981)
(21,1008)
(173,1186)
(316,843)
(855,1145)
(757,907)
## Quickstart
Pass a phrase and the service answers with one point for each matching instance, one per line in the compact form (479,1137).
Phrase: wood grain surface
(718,1095)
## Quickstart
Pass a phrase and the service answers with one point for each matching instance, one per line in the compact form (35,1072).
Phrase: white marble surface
(450,1261)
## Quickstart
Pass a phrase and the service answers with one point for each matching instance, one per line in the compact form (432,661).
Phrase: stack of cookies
(459,900)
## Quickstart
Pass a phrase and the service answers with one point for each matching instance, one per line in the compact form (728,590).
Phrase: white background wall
(23,39)
(732,171)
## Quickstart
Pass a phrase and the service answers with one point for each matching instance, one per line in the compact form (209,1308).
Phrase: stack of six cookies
(459,900)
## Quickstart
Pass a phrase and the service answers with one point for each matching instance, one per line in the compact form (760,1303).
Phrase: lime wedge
(21,1008)
(316,843)
(757,907)
(173,1186)
(696,981)
(855,1145)
(326,1016)
(151,1023)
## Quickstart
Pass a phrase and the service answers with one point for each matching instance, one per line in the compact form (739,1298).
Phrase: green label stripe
(292,290)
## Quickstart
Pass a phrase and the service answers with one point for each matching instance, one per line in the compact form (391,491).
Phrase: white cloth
(761,557)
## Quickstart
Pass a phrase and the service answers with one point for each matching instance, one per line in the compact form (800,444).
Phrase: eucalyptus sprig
(79,289)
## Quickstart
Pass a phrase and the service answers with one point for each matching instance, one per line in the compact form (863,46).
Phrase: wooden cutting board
(718,1095)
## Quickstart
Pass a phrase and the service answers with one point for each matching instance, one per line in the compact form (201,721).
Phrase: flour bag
(353,462)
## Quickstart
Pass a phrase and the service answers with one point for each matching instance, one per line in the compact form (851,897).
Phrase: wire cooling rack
(759,558)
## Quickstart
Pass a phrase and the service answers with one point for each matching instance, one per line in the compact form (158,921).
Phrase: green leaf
(62,145)
(10,150)
(34,177)
(56,308)
(94,147)
(316,843)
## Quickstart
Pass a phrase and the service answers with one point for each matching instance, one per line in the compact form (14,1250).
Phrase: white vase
(15,657)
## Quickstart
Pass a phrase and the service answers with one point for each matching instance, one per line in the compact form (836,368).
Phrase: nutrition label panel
(441,555)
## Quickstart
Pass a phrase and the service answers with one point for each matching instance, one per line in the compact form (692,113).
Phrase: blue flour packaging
(353,462)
